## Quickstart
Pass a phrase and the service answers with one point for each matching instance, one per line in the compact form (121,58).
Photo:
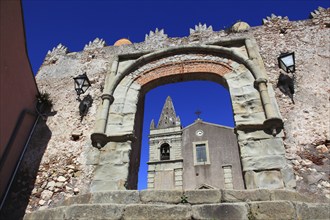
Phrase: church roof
(168,116)
(200,121)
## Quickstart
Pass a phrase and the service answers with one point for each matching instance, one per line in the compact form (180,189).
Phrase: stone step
(238,210)
(191,196)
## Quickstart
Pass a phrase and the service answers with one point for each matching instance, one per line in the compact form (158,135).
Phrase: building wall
(304,125)
(223,153)
(17,89)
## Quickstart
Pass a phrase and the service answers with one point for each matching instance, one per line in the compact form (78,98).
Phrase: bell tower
(165,164)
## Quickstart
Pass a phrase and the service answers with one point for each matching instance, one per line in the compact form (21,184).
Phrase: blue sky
(75,23)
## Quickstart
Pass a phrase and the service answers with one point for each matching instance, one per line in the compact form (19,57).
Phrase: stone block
(249,119)
(178,178)
(263,179)
(123,146)
(263,147)
(115,119)
(178,183)
(256,135)
(251,92)
(109,156)
(92,156)
(229,186)
(115,153)
(239,80)
(263,162)
(275,106)
(104,185)
(290,195)
(245,195)
(132,95)
(81,199)
(164,196)
(203,196)
(244,93)
(247,106)
(135,86)
(228,177)
(288,177)
(129,108)
(120,89)
(313,211)
(152,211)
(272,210)
(116,108)
(122,65)
(111,172)
(54,213)
(118,197)
(221,211)
(92,211)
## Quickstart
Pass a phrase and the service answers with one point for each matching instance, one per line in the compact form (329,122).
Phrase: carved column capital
(108,97)
(258,81)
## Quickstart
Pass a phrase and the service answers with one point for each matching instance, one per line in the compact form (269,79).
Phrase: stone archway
(238,66)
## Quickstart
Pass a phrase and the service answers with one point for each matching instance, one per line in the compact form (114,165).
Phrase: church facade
(199,156)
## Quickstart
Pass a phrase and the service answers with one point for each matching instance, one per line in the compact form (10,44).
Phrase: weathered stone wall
(306,124)
(190,204)
(66,166)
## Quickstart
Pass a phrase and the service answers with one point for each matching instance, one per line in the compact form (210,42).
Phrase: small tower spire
(152,124)
(168,116)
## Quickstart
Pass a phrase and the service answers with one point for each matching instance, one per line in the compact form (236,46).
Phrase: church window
(201,153)
(165,152)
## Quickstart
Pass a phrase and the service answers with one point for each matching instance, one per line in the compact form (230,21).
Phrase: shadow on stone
(23,184)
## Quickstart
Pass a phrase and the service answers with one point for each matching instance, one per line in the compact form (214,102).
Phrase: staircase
(194,204)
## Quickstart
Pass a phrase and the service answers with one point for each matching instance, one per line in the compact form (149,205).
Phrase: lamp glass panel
(86,83)
(282,65)
(291,68)
(79,81)
(84,88)
(288,60)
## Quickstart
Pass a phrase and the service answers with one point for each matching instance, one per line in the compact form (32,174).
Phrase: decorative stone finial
(201,29)
(97,43)
(53,55)
(282,24)
(158,35)
(274,19)
(240,27)
(321,16)
(59,50)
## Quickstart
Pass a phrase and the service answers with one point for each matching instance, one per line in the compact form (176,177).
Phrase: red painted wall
(17,88)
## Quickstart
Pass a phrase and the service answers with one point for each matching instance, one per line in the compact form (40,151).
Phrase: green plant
(44,102)
(184,199)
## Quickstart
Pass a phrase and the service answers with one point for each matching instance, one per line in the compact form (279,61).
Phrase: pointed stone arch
(236,64)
